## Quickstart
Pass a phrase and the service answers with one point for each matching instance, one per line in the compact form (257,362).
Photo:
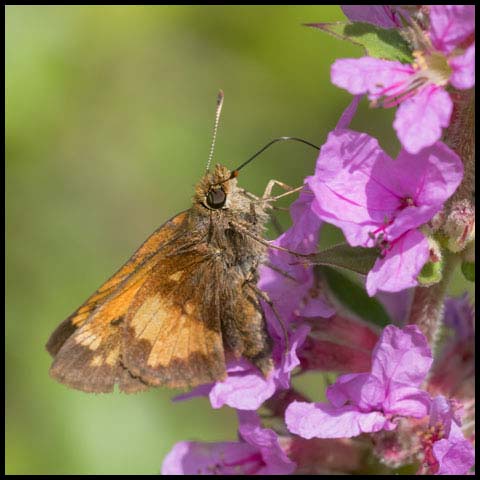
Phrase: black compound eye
(216,198)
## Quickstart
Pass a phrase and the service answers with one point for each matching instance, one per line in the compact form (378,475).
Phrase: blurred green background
(109,114)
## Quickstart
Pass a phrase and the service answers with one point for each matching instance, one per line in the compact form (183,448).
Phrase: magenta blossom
(445,449)
(288,283)
(385,16)
(245,388)
(369,402)
(445,55)
(258,452)
(378,201)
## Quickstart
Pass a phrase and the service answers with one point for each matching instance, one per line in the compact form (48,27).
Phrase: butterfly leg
(249,195)
(268,190)
(246,231)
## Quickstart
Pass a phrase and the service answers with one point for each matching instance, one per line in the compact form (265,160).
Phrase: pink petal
(401,357)
(348,194)
(463,66)
(406,401)
(455,455)
(302,236)
(289,294)
(419,120)
(450,25)
(245,388)
(401,265)
(197,458)
(324,421)
(348,114)
(430,177)
(441,412)
(266,440)
(381,15)
(245,391)
(370,75)
(200,391)
(360,389)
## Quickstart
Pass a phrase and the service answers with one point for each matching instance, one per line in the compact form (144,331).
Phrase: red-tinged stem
(427,306)
(460,136)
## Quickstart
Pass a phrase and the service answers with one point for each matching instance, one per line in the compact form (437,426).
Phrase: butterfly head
(215,189)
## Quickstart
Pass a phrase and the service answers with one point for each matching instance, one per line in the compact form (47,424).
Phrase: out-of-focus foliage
(109,113)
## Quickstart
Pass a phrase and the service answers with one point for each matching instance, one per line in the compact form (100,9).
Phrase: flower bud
(432,271)
(460,226)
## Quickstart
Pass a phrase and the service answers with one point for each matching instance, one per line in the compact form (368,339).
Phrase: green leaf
(355,298)
(431,273)
(377,42)
(468,270)
(356,259)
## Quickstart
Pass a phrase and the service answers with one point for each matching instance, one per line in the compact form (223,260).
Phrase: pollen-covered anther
(434,66)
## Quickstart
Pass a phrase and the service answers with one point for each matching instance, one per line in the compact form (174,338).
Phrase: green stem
(427,305)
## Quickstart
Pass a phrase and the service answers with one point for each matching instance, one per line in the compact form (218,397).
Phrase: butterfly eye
(216,198)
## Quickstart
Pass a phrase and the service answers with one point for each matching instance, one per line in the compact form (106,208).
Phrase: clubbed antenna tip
(220,97)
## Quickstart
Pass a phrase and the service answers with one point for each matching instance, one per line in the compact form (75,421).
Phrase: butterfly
(184,303)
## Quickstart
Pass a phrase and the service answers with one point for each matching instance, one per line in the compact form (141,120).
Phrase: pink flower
(378,201)
(445,55)
(258,452)
(445,449)
(369,402)
(245,388)
(293,295)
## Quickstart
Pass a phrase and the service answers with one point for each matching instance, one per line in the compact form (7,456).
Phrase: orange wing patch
(172,344)
(87,345)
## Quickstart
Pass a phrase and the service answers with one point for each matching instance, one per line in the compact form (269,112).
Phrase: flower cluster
(444,55)
(393,401)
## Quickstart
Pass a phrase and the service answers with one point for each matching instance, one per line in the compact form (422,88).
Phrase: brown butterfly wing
(173,331)
(87,346)
(159,240)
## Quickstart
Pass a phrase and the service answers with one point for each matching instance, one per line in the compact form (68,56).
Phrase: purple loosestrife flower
(245,388)
(445,449)
(378,201)
(258,452)
(369,402)
(294,295)
(445,55)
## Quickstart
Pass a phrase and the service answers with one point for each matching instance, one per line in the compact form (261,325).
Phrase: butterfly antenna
(215,126)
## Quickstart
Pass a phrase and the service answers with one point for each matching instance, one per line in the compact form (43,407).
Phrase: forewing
(173,335)
(87,345)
